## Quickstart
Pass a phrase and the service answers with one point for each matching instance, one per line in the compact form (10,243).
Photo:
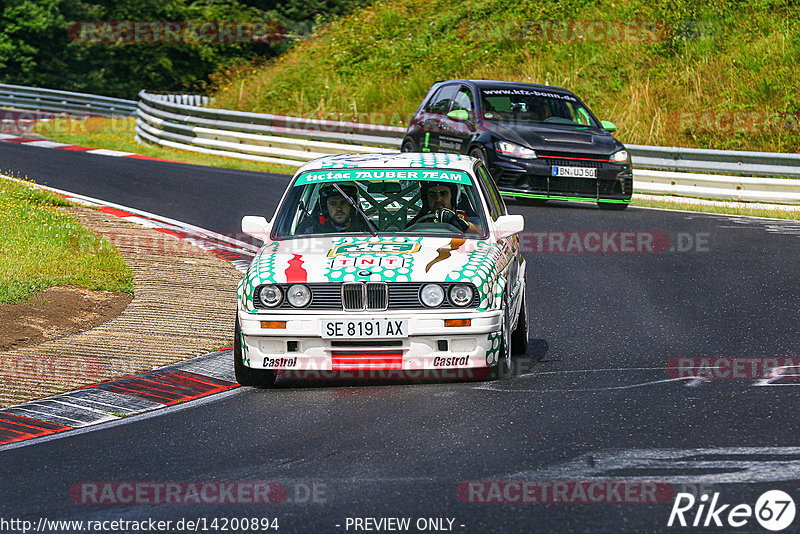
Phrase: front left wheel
(248,376)
(478,154)
(503,368)
(519,338)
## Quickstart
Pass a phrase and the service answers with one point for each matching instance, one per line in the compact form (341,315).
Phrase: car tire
(502,370)
(519,338)
(247,376)
(611,206)
(477,153)
(408,146)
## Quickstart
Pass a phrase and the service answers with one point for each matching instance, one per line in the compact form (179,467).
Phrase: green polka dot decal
(397,270)
(481,269)
(261,271)
(492,355)
(429,159)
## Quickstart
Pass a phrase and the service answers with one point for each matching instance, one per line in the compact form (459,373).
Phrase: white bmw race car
(379,262)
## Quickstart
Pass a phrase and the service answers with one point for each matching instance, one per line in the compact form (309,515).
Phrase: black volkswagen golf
(539,142)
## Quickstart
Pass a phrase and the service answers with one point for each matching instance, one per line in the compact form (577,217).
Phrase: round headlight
(298,295)
(270,296)
(432,295)
(461,294)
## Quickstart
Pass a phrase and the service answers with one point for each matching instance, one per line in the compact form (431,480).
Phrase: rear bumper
(428,345)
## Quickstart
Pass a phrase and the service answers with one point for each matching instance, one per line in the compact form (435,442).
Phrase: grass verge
(118,134)
(41,246)
(667,72)
(703,208)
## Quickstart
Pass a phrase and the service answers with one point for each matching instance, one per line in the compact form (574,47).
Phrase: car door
(457,131)
(437,108)
(510,246)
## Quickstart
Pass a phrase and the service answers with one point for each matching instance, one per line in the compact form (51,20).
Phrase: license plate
(575,172)
(364,328)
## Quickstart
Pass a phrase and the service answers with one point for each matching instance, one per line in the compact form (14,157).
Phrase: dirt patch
(184,305)
(57,312)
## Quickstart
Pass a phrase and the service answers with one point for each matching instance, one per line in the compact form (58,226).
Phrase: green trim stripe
(563,197)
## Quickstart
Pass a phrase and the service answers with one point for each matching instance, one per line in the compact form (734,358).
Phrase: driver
(540,111)
(439,199)
(336,213)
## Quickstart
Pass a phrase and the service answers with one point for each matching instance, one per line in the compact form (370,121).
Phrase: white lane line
(47,144)
(107,152)
(728,465)
(495,387)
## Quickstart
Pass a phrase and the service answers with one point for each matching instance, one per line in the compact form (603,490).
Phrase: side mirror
(608,125)
(507,225)
(257,227)
(459,115)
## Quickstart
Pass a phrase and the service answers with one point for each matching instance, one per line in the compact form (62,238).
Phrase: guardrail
(170,121)
(22,97)
(256,136)
(670,158)
(182,121)
(717,187)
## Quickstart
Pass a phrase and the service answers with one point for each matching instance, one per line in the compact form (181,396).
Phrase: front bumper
(428,345)
(533,179)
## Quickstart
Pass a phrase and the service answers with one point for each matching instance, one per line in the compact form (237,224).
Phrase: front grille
(370,296)
(590,187)
(377,295)
(353,296)
(357,296)
(574,163)
(573,186)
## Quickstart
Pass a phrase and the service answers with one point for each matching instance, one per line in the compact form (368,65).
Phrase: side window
(465,101)
(496,207)
(440,103)
(501,205)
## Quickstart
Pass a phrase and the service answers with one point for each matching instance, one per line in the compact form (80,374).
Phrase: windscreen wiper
(372,228)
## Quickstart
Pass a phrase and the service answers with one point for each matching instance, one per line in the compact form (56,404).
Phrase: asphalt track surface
(591,400)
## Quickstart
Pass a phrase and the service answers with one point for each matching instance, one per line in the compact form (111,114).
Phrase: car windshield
(531,105)
(384,201)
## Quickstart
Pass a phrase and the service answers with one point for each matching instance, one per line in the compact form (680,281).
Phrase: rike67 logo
(774,510)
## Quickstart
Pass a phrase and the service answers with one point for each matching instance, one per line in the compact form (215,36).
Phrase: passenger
(335,213)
